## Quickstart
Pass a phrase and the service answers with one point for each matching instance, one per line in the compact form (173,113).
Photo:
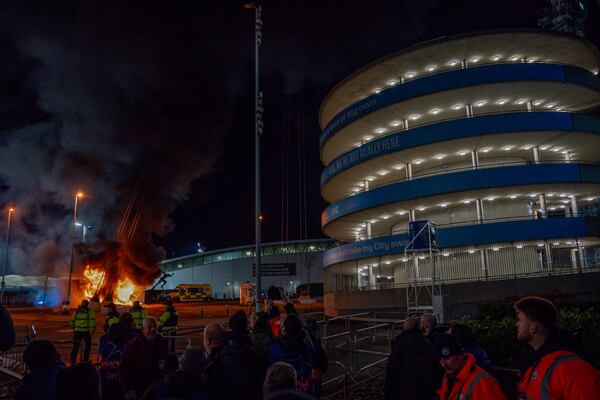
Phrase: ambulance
(191,292)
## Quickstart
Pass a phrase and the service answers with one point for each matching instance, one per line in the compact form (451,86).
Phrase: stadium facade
(285,264)
(494,137)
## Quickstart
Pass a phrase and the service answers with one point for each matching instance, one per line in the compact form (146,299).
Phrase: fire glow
(124,292)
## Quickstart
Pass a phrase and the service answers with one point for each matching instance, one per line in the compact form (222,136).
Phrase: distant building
(285,264)
(495,137)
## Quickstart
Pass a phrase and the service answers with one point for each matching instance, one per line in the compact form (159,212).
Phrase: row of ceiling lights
(462,153)
(456,107)
(453,63)
(469,251)
(563,196)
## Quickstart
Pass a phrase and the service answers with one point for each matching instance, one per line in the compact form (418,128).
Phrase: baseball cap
(447,345)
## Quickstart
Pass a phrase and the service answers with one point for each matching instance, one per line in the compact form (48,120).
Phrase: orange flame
(125,290)
(94,278)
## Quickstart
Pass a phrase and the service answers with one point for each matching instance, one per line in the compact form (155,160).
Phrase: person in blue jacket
(294,347)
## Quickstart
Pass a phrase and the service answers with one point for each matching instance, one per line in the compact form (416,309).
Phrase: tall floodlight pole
(10,211)
(258,128)
(77,196)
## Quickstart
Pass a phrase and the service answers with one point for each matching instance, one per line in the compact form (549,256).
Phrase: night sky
(168,89)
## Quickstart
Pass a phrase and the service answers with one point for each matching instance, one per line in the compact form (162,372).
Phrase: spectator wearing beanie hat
(463,379)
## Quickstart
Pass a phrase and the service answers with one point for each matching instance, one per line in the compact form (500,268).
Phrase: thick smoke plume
(122,98)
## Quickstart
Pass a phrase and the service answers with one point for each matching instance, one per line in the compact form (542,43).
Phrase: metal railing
(346,345)
(11,361)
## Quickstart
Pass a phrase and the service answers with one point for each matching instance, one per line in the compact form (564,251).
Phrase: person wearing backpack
(294,347)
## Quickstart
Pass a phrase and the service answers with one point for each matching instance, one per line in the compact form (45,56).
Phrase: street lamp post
(10,211)
(84,228)
(258,129)
(77,196)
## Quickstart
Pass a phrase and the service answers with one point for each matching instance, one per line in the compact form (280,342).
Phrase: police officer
(463,379)
(554,372)
(83,322)
(167,324)
(138,313)
(112,317)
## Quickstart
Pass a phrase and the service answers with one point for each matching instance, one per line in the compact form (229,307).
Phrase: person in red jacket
(463,379)
(554,372)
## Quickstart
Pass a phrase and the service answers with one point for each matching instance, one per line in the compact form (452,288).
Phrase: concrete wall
(580,285)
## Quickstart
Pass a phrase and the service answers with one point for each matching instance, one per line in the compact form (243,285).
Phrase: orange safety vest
(471,383)
(560,375)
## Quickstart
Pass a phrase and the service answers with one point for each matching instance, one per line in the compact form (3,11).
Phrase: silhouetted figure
(78,382)
(411,366)
(43,365)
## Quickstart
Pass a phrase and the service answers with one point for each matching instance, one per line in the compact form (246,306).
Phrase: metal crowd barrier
(12,366)
(352,338)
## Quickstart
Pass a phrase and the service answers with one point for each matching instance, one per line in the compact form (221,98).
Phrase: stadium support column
(469,110)
(536,155)
(409,171)
(581,253)
(368,229)
(548,250)
(474,159)
(543,207)
(484,264)
(480,215)
(574,258)
(574,210)
(371,276)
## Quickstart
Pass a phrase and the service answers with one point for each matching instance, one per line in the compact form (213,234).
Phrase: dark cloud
(123,95)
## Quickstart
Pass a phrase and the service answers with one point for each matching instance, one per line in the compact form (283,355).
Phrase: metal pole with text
(77,196)
(10,211)
(258,127)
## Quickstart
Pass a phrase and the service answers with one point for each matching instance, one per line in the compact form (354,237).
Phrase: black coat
(411,368)
(231,373)
(7,330)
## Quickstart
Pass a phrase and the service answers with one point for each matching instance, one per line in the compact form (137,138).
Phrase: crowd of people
(271,356)
(277,357)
